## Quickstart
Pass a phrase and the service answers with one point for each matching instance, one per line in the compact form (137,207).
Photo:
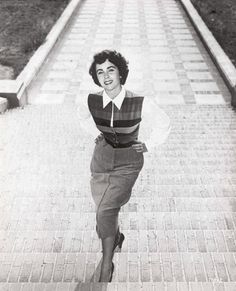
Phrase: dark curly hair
(115,58)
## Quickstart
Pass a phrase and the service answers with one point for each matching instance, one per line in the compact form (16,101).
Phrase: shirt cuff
(161,137)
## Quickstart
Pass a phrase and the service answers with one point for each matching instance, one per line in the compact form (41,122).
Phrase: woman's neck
(113,93)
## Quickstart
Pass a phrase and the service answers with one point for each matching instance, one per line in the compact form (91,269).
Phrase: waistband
(120,145)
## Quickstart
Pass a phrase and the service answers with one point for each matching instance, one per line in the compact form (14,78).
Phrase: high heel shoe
(119,240)
(112,270)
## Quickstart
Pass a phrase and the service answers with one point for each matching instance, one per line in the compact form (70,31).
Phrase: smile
(107,82)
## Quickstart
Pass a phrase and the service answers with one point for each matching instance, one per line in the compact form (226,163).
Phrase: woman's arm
(155,126)
(86,121)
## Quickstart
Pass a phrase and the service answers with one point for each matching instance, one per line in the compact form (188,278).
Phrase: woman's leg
(106,267)
(107,227)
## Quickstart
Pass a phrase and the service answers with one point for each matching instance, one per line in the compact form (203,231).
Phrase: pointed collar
(118,100)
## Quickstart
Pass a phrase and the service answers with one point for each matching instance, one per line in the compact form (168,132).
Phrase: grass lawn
(24,25)
(220,17)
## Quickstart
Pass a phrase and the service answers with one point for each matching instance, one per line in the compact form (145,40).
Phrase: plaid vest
(126,120)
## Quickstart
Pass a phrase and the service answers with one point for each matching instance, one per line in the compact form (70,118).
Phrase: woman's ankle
(106,263)
(106,272)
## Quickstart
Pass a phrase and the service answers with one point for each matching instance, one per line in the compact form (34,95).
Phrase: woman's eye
(100,72)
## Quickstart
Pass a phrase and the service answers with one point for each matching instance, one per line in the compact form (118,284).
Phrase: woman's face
(108,75)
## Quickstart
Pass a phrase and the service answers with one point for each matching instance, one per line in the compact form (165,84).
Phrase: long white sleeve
(155,125)
(86,121)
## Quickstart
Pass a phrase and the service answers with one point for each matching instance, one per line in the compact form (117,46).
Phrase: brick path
(180,222)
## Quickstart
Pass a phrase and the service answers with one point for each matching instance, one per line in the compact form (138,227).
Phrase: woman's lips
(107,82)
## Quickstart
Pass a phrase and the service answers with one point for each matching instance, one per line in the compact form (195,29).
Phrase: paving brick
(230,286)
(183,286)
(191,241)
(27,287)
(90,266)
(48,266)
(219,287)
(201,241)
(133,265)
(26,271)
(167,268)
(171,286)
(15,269)
(50,286)
(37,268)
(145,268)
(230,240)
(199,267)
(181,241)
(156,267)
(177,267)
(195,66)
(231,266)
(220,242)
(207,286)
(133,240)
(220,267)
(4,271)
(194,286)
(211,245)
(59,268)
(188,267)
(15,287)
(69,268)
(63,287)
(122,269)
(122,287)
(159,286)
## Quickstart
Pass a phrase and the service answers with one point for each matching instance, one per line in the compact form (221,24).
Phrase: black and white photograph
(117,145)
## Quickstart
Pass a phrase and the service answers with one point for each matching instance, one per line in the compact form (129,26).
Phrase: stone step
(121,286)
(137,240)
(139,191)
(184,191)
(129,220)
(46,221)
(135,204)
(129,267)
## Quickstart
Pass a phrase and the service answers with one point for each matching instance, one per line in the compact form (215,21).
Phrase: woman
(118,155)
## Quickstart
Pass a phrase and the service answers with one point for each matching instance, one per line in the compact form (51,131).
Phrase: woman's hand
(140,147)
(99,138)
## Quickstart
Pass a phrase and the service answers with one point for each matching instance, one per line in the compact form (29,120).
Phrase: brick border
(15,91)
(221,60)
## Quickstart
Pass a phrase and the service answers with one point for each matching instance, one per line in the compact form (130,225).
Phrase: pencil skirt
(113,174)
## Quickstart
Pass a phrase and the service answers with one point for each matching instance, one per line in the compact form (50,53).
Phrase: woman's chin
(109,88)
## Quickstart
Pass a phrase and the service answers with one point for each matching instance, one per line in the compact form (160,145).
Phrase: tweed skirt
(113,174)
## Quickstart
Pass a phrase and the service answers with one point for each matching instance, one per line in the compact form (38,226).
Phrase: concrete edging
(3,104)
(221,60)
(16,90)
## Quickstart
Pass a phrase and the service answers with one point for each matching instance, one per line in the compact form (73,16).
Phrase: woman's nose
(106,75)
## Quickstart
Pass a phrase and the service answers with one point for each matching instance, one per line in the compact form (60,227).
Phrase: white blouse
(154,127)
